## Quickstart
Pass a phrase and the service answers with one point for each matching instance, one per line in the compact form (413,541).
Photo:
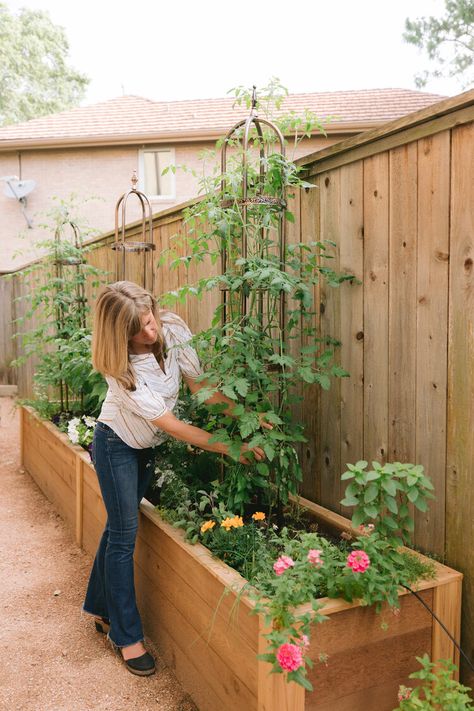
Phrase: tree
(35,79)
(448,40)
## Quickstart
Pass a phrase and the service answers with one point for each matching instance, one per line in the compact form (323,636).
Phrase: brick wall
(102,173)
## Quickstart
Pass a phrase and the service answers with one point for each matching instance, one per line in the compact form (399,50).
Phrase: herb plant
(383,494)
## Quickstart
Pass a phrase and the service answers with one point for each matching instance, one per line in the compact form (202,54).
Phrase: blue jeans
(124,474)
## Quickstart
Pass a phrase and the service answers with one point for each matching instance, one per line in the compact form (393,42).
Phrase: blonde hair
(117,319)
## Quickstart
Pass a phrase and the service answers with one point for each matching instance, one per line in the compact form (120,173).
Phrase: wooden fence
(398,202)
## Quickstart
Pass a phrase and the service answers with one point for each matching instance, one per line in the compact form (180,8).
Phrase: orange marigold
(207,525)
(258,516)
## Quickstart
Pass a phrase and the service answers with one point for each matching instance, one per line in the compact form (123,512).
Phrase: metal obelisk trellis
(144,247)
(60,263)
(241,134)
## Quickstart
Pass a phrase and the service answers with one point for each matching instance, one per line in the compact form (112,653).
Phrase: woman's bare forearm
(188,433)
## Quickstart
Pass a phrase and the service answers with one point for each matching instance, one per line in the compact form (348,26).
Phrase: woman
(132,346)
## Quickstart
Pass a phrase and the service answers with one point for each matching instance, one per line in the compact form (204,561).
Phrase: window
(152,162)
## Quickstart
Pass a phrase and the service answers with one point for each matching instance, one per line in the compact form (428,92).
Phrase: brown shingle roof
(130,118)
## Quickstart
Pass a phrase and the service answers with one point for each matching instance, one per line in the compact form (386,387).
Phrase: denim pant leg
(124,474)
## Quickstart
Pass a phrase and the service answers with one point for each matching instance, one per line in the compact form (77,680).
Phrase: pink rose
(314,557)
(283,563)
(359,561)
(290,657)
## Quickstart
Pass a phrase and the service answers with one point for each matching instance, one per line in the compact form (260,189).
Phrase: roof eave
(162,137)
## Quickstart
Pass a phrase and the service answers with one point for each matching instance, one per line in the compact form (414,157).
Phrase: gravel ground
(52,659)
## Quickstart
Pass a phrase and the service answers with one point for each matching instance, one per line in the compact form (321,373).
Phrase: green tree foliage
(448,40)
(35,79)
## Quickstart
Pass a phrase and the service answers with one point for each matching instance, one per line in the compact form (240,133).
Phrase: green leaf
(347,475)
(371,493)
(412,495)
(371,511)
(358,517)
(349,501)
(389,486)
(391,504)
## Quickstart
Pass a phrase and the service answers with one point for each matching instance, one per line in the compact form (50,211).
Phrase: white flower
(73,434)
(90,421)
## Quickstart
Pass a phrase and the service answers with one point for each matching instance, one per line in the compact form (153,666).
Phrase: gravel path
(52,659)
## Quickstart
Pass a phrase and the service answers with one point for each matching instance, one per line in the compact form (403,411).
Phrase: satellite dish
(18,189)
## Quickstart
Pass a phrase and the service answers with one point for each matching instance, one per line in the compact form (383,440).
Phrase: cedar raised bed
(205,631)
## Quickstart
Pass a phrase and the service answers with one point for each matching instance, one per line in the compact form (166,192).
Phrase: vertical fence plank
(432,332)
(310,232)
(460,442)
(330,414)
(293,233)
(376,220)
(402,302)
(352,315)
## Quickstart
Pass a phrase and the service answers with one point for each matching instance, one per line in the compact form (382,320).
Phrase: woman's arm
(215,397)
(220,397)
(200,438)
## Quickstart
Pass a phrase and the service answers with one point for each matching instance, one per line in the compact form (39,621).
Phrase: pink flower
(366,529)
(404,693)
(359,561)
(314,557)
(283,563)
(290,657)
(304,641)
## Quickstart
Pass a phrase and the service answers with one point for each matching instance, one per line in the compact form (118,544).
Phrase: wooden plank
(352,316)
(432,332)
(447,607)
(366,661)
(79,496)
(375,335)
(387,137)
(293,338)
(53,486)
(310,232)
(274,691)
(460,442)
(402,303)
(330,414)
(205,622)
(176,637)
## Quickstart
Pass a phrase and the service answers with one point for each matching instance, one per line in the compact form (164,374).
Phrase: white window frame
(141,172)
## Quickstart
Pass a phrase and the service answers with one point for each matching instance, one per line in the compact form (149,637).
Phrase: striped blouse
(129,413)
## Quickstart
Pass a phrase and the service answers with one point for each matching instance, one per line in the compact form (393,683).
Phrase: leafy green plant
(383,494)
(439,691)
(61,336)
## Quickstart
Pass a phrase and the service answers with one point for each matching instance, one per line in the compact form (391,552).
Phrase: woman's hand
(263,422)
(258,452)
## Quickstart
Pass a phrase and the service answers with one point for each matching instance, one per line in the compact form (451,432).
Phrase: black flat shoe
(102,625)
(143,665)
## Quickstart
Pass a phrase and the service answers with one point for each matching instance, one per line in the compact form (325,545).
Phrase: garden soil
(51,657)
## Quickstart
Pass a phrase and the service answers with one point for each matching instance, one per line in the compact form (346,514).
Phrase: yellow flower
(206,526)
(258,516)
(227,523)
(232,522)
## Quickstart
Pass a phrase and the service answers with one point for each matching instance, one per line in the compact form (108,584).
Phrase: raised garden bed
(206,633)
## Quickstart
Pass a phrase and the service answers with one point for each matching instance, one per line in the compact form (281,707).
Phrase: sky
(202,49)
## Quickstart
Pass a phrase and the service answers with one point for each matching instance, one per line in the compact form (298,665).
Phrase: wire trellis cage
(251,141)
(142,248)
(69,263)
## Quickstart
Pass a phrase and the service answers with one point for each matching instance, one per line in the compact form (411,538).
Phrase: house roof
(134,119)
